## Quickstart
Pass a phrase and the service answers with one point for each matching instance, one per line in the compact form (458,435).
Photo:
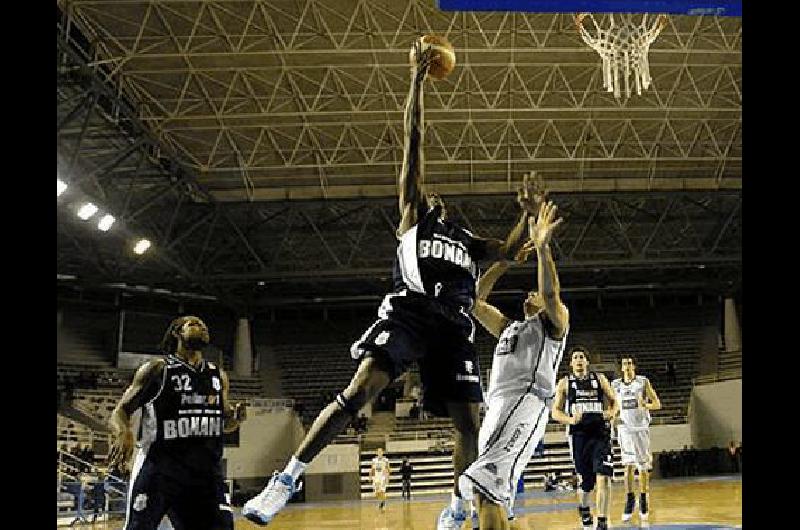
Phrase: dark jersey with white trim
(586,395)
(436,257)
(181,428)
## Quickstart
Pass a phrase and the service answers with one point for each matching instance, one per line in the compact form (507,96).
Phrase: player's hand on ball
(541,229)
(423,55)
(121,450)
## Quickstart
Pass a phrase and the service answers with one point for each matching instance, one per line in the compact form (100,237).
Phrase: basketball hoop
(623,48)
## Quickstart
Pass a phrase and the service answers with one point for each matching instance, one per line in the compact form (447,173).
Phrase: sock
(457,504)
(295,468)
(630,501)
(643,502)
(601,522)
(584,497)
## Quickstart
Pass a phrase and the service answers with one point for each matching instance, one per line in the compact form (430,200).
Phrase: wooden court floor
(703,503)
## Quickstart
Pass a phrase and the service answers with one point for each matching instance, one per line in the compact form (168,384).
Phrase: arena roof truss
(261,141)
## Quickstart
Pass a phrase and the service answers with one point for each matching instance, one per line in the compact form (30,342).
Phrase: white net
(623,47)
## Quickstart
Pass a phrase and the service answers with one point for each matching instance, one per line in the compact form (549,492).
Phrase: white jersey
(525,360)
(632,416)
(380,465)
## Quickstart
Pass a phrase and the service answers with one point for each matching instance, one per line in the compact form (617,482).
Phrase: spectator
(691,463)
(663,464)
(550,482)
(405,471)
(98,496)
(733,454)
(674,463)
(671,375)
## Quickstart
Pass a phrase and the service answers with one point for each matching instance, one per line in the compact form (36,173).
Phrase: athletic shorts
(152,495)
(379,484)
(635,447)
(512,428)
(417,328)
(591,454)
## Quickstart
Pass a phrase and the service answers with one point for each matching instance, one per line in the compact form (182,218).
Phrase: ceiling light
(87,211)
(141,246)
(106,222)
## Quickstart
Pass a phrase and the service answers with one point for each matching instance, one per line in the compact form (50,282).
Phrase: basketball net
(623,48)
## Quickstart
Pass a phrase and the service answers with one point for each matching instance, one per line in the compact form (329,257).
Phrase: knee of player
(351,402)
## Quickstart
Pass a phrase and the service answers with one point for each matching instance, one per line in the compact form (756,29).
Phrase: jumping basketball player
(523,378)
(636,398)
(185,410)
(379,472)
(582,395)
(426,319)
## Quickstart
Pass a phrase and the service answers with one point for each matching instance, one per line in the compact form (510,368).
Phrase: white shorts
(635,447)
(379,484)
(511,430)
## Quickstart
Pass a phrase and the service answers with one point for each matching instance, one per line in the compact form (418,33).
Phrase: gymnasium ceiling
(196,121)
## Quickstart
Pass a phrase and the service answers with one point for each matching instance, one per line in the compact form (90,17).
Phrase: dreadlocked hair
(169,343)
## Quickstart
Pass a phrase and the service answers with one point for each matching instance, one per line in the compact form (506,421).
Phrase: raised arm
(411,174)
(529,197)
(146,384)
(541,232)
(489,316)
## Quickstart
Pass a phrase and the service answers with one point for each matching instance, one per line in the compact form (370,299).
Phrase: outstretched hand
(532,193)
(541,229)
(422,56)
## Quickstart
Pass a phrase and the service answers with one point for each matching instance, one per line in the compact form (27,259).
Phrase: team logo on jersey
(382,338)
(468,366)
(215,383)
(140,502)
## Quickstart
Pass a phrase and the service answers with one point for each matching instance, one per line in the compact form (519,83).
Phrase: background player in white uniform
(636,399)
(522,380)
(379,474)
(583,395)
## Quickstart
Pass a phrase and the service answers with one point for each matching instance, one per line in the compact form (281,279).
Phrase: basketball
(444,59)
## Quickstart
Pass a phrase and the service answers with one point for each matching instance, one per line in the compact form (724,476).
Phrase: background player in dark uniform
(426,319)
(582,395)
(185,410)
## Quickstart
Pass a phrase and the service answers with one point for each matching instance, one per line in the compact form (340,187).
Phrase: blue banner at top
(720,8)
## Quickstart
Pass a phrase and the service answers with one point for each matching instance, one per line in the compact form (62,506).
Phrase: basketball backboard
(731,8)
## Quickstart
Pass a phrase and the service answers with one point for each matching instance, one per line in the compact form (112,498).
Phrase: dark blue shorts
(416,328)
(591,454)
(189,506)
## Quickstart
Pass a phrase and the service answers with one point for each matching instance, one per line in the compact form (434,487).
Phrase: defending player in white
(379,475)
(636,398)
(523,378)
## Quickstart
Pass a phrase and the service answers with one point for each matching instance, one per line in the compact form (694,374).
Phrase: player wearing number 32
(522,380)
(185,410)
